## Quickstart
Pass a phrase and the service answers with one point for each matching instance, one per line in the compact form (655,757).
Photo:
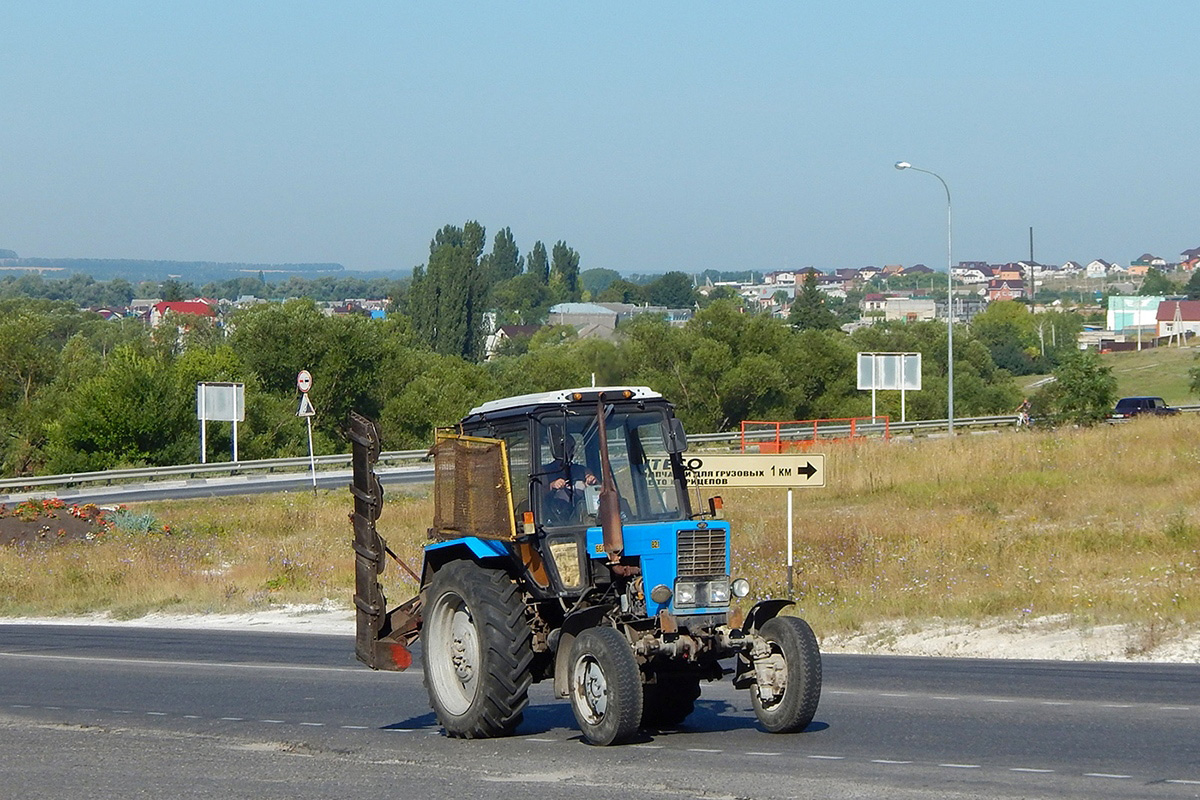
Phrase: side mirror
(678,439)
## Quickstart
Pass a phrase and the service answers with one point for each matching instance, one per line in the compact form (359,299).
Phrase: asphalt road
(91,712)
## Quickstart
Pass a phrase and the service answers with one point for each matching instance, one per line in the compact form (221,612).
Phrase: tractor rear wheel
(789,702)
(476,650)
(606,686)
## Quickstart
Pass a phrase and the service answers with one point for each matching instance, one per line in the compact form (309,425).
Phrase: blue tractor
(564,547)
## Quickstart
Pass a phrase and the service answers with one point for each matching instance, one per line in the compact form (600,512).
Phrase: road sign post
(306,410)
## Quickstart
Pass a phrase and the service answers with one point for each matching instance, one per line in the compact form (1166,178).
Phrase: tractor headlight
(741,587)
(699,594)
(685,593)
(718,593)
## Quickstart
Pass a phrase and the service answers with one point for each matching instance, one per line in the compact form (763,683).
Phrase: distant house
(198,307)
(917,269)
(1005,289)
(1098,268)
(873,304)
(507,333)
(971,274)
(1009,272)
(1178,317)
(1070,268)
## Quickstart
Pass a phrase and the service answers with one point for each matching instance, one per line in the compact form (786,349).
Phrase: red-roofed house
(198,307)
(1178,317)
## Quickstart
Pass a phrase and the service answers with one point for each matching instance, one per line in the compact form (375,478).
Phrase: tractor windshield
(570,475)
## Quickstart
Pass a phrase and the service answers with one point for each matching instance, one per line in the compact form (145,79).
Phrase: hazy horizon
(672,136)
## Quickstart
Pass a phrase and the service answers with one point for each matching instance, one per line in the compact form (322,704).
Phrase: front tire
(476,651)
(795,662)
(606,687)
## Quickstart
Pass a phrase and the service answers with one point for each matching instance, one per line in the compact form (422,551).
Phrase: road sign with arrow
(785,471)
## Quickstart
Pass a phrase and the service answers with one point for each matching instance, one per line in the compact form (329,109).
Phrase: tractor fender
(575,624)
(763,611)
(471,548)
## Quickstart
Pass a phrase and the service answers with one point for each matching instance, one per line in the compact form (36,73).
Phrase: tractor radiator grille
(702,553)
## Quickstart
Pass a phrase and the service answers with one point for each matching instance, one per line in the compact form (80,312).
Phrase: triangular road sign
(306,407)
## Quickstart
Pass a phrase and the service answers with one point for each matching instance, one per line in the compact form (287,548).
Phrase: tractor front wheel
(606,686)
(788,684)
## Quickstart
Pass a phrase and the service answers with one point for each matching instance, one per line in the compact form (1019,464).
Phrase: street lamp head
(902,165)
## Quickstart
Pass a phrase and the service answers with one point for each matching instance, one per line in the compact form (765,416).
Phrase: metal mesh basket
(472,495)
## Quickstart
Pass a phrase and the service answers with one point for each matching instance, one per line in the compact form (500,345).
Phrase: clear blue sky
(649,136)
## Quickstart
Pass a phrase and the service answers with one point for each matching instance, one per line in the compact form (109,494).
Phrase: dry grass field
(1100,525)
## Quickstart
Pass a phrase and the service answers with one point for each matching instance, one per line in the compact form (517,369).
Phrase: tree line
(78,393)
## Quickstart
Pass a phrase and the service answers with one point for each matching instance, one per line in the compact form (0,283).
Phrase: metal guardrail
(231,468)
(301,464)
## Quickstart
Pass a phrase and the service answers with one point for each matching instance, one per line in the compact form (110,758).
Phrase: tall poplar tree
(449,295)
(505,261)
(564,272)
(539,264)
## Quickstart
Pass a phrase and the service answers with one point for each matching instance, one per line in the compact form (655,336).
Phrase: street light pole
(949,295)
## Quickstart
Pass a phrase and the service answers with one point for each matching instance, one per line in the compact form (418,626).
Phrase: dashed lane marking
(703,750)
(888,761)
(355,728)
(829,758)
(272,721)
(156,713)
(313,724)
(1105,775)
(754,753)
(233,719)
(1031,769)
(960,766)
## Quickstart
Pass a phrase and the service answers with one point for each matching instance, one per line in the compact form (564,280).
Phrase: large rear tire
(606,687)
(476,650)
(795,661)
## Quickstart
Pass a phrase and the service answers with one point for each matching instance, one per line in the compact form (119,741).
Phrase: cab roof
(560,397)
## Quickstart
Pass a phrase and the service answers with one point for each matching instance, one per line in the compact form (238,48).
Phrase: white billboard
(889,371)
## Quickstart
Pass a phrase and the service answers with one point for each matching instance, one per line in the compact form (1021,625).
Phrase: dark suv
(1133,406)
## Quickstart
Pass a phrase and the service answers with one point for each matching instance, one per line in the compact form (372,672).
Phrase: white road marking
(998,700)
(1105,775)
(1030,769)
(649,746)
(117,711)
(272,721)
(52,708)
(888,761)
(959,766)
(1055,703)
(156,713)
(944,697)
(1186,783)
(1117,705)
(154,662)
(703,750)
(399,730)
(1175,708)
(839,691)
(233,719)
(313,724)
(355,727)
(893,694)
(539,739)
(191,716)
(753,753)
(21,705)
(829,758)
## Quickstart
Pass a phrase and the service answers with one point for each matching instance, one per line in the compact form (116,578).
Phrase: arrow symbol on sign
(808,470)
